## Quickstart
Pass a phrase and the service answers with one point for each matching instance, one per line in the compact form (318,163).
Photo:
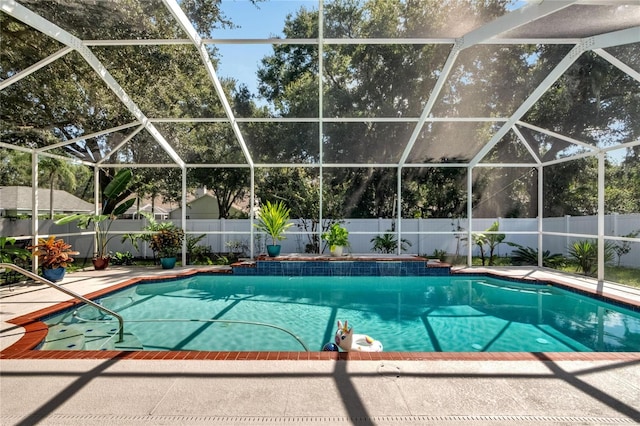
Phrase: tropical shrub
(388,243)
(167,242)
(529,256)
(111,209)
(122,258)
(53,253)
(490,239)
(337,235)
(585,254)
(273,219)
(9,252)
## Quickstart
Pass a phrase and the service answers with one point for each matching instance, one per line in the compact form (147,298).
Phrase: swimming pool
(407,314)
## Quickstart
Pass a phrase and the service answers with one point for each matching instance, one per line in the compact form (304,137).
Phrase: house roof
(147,208)
(19,198)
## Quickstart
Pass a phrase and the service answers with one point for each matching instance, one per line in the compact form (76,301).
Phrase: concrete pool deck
(541,389)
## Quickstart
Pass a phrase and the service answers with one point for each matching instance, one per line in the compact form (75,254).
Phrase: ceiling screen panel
(451,142)
(629,54)
(494,80)
(281,142)
(367,142)
(380,80)
(64,100)
(114,19)
(285,80)
(141,149)
(203,143)
(578,21)
(22,46)
(273,16)
(548,147)
(593,102)
(277,90)
(163,81)
(510,149)
(407,19)
(99,147)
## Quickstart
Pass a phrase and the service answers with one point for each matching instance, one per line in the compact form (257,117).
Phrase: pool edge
(35,331)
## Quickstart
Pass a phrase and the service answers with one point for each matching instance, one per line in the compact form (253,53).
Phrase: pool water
(407,314)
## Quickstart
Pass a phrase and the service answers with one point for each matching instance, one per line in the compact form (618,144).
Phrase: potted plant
(273,219)
(337,237)
(166,244)
(102,222)
(53,256)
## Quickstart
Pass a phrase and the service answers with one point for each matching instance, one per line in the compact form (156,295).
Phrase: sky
(265,20)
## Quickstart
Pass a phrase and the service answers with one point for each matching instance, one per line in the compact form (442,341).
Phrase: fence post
(567,229)
(223,238)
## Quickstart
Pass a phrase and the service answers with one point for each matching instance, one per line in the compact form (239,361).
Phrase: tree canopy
(339,113)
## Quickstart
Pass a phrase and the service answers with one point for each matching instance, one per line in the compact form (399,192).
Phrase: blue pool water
(407,314)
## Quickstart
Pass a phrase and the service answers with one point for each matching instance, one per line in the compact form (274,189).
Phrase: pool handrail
(73,294)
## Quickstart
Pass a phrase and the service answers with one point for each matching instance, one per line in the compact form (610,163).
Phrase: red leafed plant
(53,253)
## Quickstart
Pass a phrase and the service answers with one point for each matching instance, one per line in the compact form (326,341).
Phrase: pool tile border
(35,332)
(323,356)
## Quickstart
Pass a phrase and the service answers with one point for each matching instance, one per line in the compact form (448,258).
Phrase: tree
(53,172)
(15,168)
(67,99)
(369,80)
(490,238)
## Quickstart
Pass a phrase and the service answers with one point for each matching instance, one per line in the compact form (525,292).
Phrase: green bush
(529,256)
(585,254)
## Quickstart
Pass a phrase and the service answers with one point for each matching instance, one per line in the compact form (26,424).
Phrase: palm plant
(273,219)
(387,243)
(491,239)
(529,256)
(110,211)
(585,253)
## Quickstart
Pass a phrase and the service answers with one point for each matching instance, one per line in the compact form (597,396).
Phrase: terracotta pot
(100,263)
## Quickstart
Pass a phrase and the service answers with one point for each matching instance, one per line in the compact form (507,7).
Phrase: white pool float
(347,340)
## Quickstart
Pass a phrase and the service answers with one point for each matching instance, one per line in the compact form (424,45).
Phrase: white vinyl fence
(422,236)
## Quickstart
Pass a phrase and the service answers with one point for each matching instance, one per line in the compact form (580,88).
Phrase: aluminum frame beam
(505,23)
(16,10)
(35,67)
(193,35)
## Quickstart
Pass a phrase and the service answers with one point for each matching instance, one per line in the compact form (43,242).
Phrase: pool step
(89,336)
(104,337)
(64,337)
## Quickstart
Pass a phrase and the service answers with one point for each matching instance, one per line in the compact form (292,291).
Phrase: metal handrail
(73,294)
